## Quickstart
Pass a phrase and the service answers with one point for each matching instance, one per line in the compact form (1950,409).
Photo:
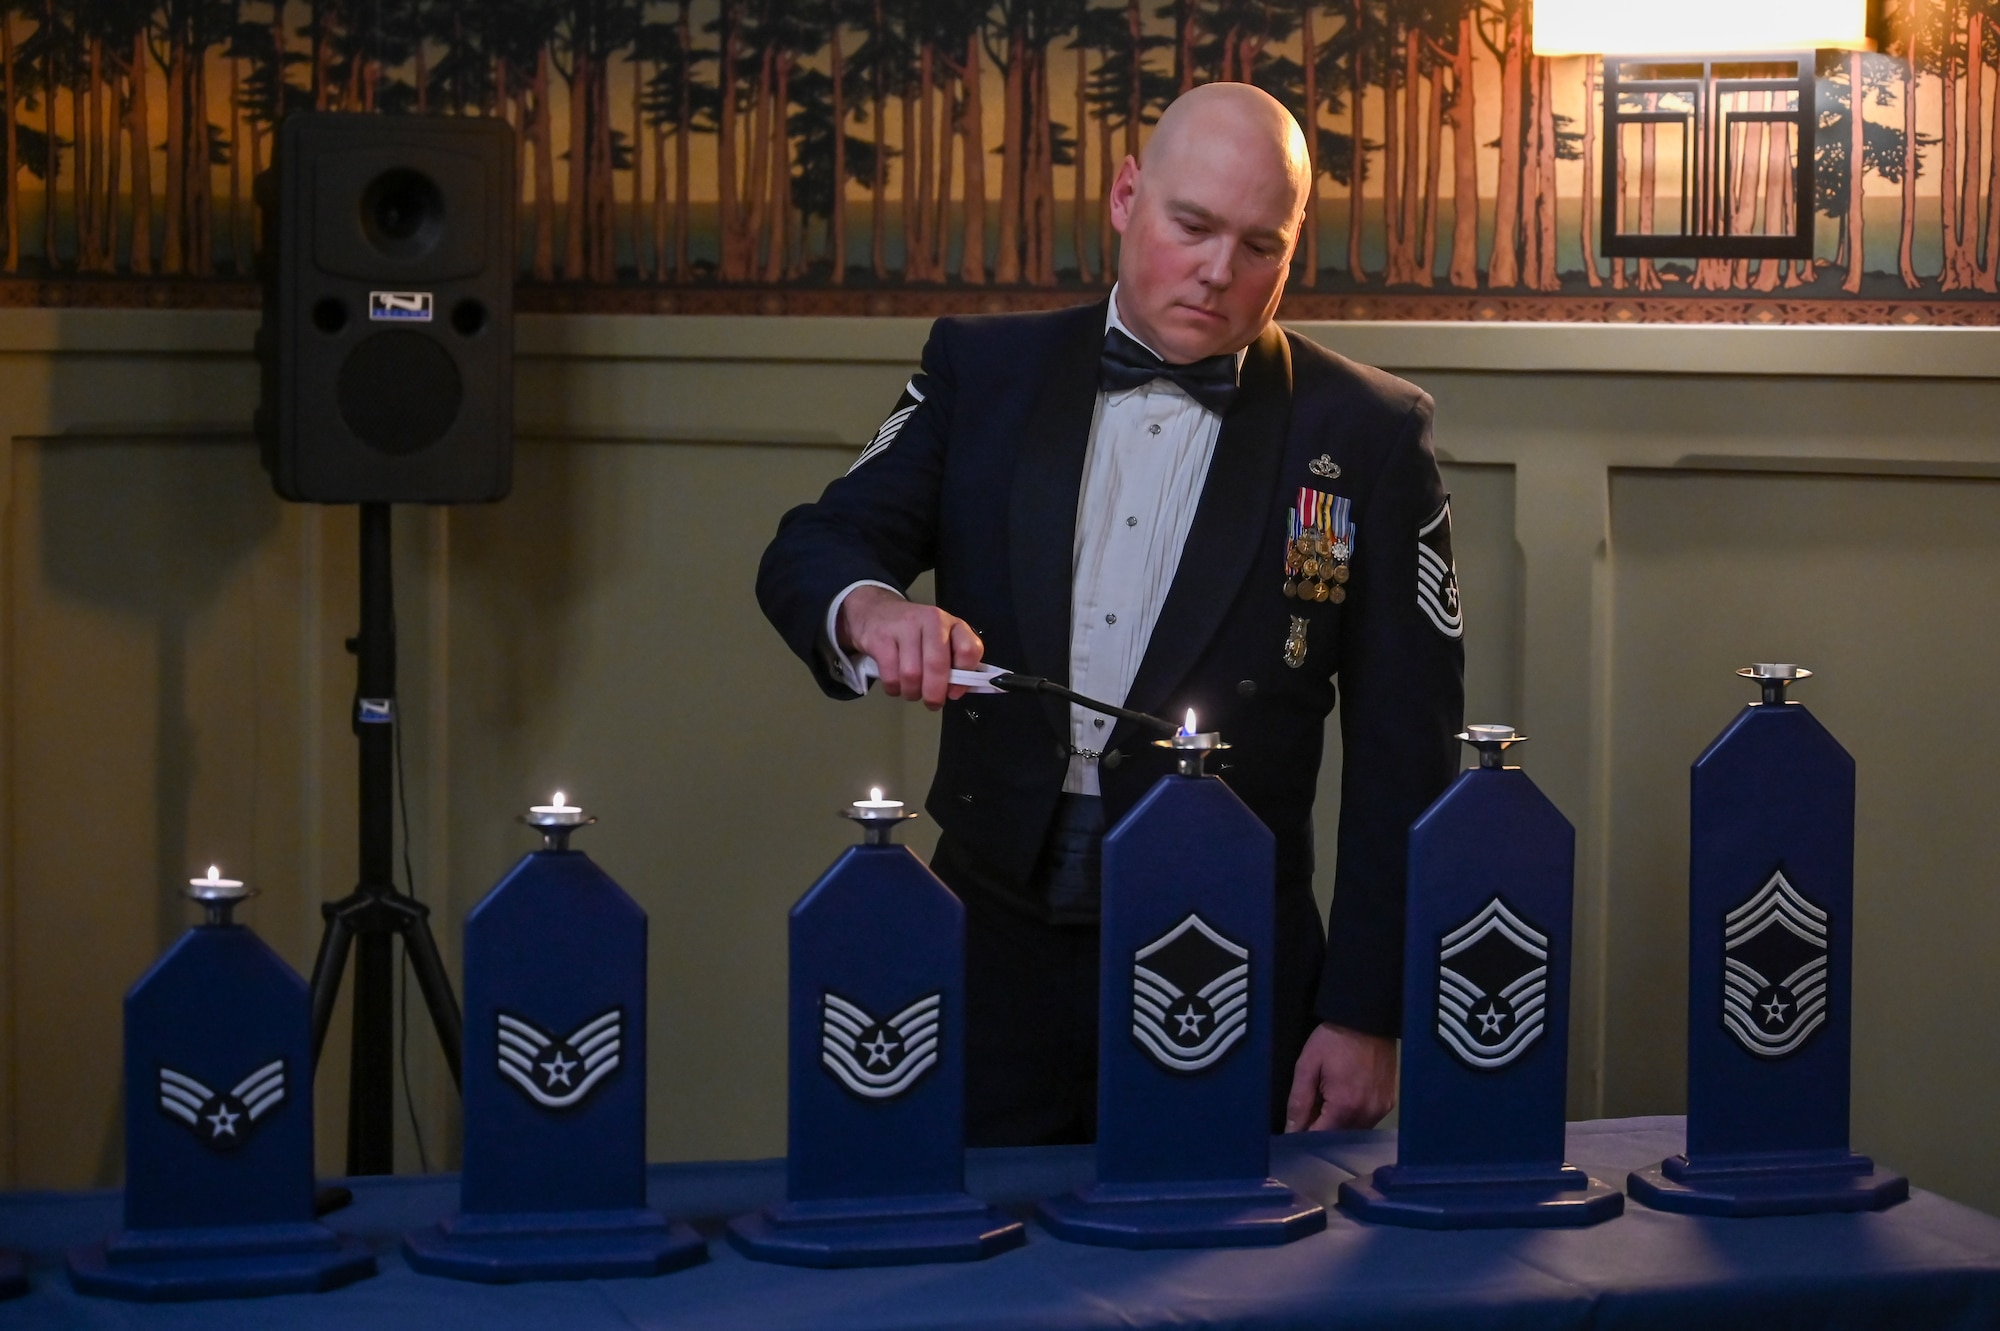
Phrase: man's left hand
(1343,1079)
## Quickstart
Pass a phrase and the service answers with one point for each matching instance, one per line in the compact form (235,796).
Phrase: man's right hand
(915,646)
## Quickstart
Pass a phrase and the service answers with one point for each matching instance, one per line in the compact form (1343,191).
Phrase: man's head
(1208,220)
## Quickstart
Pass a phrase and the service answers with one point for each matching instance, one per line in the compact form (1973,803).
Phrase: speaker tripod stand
(366,920)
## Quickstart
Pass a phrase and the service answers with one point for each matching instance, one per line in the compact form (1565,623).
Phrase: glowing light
(1697,27)
(1188,727)
(875,792)
(214,872)
(559,802)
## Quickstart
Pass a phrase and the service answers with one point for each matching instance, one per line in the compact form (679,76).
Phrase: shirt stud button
(1131,522)
(1154,428)
(1099,723)
(1111,619)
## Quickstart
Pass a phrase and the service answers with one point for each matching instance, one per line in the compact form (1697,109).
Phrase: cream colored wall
(1638,511)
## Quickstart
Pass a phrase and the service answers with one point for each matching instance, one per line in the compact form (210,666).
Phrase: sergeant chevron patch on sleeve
(1437,578)
(885,435)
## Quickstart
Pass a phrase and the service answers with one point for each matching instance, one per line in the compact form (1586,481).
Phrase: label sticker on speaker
(399,306)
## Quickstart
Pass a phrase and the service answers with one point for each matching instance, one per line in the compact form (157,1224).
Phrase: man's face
(1207,232)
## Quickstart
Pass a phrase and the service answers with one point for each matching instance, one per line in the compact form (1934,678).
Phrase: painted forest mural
(921,156)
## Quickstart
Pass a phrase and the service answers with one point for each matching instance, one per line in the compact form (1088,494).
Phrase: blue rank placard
(1486,968)
(1770,972)
(218,1134)
(1185,1030)
(876,1168)
(554,1183)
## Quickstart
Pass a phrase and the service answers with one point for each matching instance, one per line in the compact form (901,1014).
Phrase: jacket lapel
(1229,524)
(1042,516)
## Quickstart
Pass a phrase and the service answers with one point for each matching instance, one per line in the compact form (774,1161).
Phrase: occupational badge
(558,1072)
(1295,642)
(1324,466)
(223,1119)
(1319,543)
(874,1058)
(1493,976)
(1437,579)
(1774,970)
(1190,996)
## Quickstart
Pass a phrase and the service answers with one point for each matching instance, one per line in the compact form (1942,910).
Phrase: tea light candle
(556,813)
(215,885)
(877,807)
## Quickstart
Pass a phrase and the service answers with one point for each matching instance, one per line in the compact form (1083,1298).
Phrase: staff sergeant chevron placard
(875,1173)
(557,1074)
(1493,979)
(1774,970)
(218,1197)
(1190,996)
(1770,964)
(554,1182)
(878,1060)
(1485,1015)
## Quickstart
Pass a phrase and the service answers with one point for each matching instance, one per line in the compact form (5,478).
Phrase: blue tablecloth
(1927,1263)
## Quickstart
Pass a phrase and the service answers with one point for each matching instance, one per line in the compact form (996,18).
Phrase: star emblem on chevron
(879,1058)
(558,1072)
(1492,986)
(223,1120)
(1190,996)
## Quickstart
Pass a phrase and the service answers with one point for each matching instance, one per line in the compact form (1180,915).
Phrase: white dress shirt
(1148,457)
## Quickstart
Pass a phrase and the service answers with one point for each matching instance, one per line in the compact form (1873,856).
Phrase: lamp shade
(1697,27)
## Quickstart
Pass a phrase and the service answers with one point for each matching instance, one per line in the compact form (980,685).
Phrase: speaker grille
(399,392)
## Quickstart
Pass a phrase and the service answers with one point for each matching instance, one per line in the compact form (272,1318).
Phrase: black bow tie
(1126,363)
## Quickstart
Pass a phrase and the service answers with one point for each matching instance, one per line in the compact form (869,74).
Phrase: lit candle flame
(875,793)
(1189,729)
(214,872)
(559,802)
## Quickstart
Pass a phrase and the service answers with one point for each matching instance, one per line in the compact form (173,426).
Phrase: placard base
(1567,1198)
(1229,1213)
(877,1231)
(13,1276)
(1805,1185)
(554,1245)
(219,1262)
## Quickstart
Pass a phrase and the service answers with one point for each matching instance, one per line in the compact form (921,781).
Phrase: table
(1928,1263)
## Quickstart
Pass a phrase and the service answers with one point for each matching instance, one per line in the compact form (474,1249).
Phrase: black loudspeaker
(387,345)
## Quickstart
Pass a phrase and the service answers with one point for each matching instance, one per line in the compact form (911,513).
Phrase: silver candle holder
(556,821)
(218,896)
(878,817)
(1191,749)
(1492,742)
(1773,678)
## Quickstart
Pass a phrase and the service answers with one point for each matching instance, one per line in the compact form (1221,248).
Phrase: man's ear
(1124,192)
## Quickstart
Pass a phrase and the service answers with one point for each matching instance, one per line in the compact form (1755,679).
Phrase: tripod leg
(431,978)
(328,967)
(371,1086)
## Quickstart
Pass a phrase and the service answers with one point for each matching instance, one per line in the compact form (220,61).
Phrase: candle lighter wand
(1016,683)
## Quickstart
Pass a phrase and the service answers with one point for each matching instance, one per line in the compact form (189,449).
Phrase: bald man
(1168,502)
